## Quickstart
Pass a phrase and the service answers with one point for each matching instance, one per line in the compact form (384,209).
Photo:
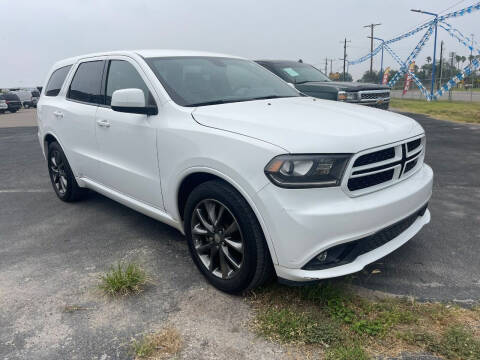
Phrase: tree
(458,58)
(339,76)
(429,59)
(372,77)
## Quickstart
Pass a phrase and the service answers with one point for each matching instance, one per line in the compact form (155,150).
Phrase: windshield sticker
(291,72)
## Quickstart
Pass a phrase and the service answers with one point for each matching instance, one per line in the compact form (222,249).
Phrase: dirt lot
(52,253)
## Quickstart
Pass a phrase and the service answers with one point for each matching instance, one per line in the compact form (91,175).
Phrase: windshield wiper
(307,81)
(268,97)
(226,101)
(213,102)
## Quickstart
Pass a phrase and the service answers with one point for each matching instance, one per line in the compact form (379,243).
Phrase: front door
(127,142)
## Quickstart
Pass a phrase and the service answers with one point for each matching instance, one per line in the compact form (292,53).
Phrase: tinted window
(56,81)
(298,73)
(35,93)
(87,82)
(197,81)
(122,75)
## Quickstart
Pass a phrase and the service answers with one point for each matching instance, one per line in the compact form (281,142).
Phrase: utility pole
(452,54)
(441,66)
(381,61)
(326,65)
(344,57)
(331,66)
(435,21)
(371,26)
(473,72)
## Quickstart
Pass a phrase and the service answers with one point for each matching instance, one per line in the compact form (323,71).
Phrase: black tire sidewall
(68,195)
(220,191)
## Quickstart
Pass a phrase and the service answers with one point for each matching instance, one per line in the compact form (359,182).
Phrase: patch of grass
(347,353)
(289,326)
(457,343)
(341,323)
(468,112)
(165,343)
(123,279)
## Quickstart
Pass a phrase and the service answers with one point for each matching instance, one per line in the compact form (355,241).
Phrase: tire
(253,257)
(13,111)
(61,175)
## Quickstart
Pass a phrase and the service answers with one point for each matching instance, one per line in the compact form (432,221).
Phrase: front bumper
(304,222)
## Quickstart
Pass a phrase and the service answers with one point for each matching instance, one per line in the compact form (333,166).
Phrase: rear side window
(122,75)
(87,82)
(56,81)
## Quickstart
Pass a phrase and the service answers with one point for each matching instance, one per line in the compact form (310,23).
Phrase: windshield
(197,81)
(298,73)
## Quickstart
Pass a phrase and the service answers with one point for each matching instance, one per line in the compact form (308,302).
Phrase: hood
(340,85)
(307,125)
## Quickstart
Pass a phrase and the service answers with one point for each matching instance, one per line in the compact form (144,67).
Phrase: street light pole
(434,48)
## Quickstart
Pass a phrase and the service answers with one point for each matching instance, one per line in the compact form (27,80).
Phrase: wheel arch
(50,137)
(196,176)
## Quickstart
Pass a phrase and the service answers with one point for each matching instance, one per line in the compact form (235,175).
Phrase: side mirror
(131,101)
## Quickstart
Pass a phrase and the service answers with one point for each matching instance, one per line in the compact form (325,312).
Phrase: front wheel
(225,239)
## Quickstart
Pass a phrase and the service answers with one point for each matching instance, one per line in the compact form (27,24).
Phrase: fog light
(322,256)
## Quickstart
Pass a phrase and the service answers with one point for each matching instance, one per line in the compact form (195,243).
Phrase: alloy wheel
(217,238)
(58,171)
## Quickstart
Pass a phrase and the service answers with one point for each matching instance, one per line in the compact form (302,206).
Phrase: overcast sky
(35,34)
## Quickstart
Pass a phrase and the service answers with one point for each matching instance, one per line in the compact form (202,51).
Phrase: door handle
(103,123)
(58,114)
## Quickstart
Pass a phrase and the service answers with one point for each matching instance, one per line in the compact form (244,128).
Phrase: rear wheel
(61,175)
(13,111)
(225,239)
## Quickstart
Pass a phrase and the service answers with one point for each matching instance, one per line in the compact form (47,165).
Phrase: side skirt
(132,203)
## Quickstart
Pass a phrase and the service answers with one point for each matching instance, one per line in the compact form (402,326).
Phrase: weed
(286,325)
(123,279)
(343,324)
(457,343)
(166,343)
(347,353)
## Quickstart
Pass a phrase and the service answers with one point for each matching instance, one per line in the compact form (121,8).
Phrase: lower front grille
(346,253)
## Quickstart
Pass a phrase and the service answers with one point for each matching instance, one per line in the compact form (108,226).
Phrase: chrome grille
(378,168)
(374,95)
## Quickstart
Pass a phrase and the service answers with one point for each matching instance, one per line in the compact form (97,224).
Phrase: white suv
(260,178)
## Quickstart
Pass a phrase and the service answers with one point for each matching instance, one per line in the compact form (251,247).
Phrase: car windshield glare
(298,73)
(198,81)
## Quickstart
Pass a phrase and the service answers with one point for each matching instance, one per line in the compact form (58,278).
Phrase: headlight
(351,96)
(342,96)
(306,171)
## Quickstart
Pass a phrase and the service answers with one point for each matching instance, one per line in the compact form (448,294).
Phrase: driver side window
(122,75)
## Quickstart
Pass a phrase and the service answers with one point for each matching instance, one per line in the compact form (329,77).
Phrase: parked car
(312,82)
(3,105)
(28,98)
(12,101)
(259,178)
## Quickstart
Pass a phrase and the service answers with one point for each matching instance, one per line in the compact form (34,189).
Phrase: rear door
(127,143)
(76,117)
